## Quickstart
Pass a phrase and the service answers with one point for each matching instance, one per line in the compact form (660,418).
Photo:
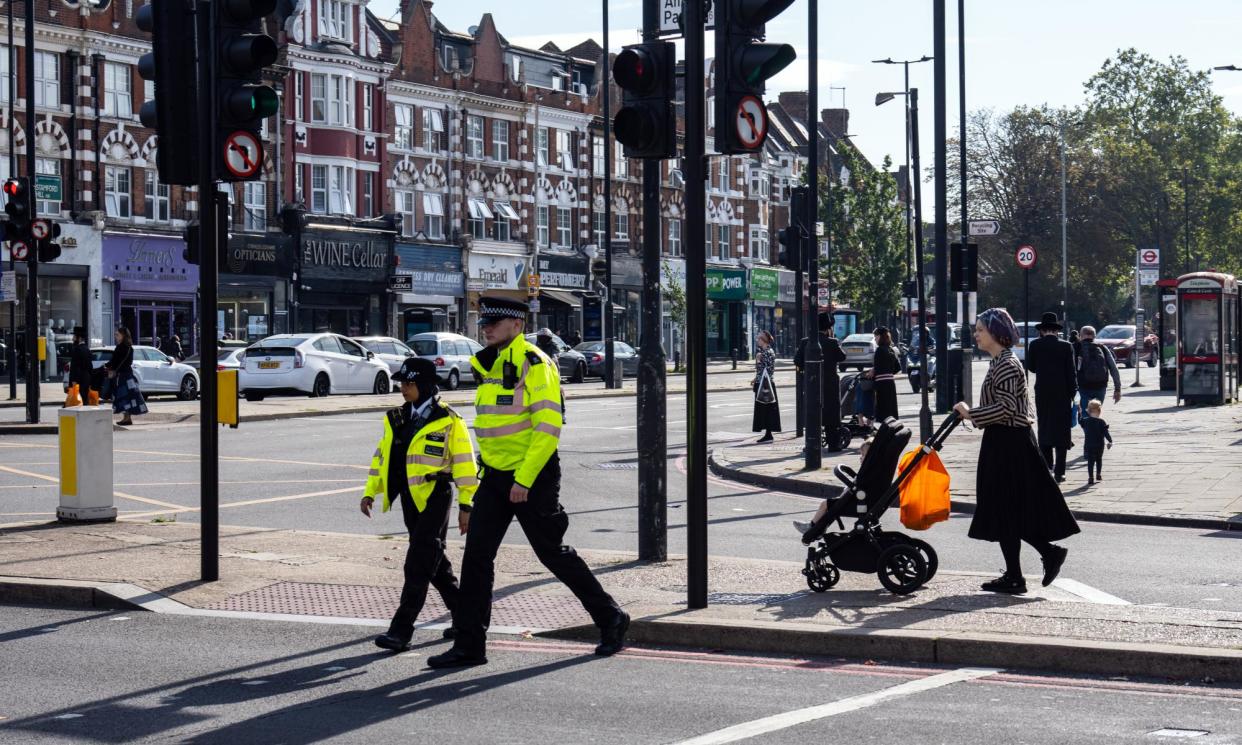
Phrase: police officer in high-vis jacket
(518,425)
(425,448)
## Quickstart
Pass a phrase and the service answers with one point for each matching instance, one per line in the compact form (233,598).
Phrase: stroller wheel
(901,569)
(821,576)
(929,555)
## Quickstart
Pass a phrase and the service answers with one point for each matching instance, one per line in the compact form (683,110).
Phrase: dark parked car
(573,365)
(623,355)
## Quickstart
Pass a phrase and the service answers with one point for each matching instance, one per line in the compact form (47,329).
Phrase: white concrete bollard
(86,464)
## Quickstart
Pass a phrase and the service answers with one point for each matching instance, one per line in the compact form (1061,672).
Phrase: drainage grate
(527,610)
(615,465)
(748,598)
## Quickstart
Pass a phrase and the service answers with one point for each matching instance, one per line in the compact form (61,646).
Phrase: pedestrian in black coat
(1056,381)
(830,379)
(885,366)
(80,362)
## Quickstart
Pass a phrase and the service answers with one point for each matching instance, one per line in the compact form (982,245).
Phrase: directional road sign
(1026,256)
(984,227)
(1149,258)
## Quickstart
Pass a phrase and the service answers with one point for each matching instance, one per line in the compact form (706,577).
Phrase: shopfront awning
(559,296)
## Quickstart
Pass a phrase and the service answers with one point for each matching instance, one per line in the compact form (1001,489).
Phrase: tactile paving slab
(532,610)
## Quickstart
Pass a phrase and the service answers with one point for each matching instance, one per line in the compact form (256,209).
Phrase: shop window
(117,192)
(500,140)
(674,237)
(474,136)
(564,232)
(254,205)
(47,79)
(433,215)
(403,130)
(155,206)
(541,226)
(46,167)
(118,98)
(433,130)
(405,208)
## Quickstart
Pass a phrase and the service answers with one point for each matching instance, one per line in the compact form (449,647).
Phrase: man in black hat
(80,362)
(1051,358)
(425,448)
(831,355)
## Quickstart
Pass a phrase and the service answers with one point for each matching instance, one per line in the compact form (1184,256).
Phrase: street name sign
(1025,256)
(984,227)
(670,17)
(47,188)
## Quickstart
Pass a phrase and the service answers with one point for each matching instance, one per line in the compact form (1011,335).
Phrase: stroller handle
(946,428)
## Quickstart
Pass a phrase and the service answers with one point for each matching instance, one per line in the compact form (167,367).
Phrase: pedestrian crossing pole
(211,204)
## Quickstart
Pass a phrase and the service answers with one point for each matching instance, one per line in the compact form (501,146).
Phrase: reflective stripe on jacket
(440,450)
(518,428)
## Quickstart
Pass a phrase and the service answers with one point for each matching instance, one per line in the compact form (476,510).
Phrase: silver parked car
(859,351)
(450,352)
(156,371)
(390,351)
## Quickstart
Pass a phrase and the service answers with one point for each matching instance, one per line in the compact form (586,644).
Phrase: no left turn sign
(1026,256)
(20,251)
(40,229)
(751,122)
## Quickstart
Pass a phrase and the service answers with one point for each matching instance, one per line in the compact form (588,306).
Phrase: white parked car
(450,352)
(316,364)
(392,352)
(859,351)
(156,371)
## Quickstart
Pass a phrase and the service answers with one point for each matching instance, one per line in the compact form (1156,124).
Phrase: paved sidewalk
(754,605)
(1170,465)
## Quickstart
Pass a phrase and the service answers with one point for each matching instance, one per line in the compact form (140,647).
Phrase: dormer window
(334,20)
(452,62)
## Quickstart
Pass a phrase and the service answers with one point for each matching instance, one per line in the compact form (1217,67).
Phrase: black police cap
(502,307)
(415,369)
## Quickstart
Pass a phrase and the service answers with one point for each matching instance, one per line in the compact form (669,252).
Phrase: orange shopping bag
(73,399)
(924,493)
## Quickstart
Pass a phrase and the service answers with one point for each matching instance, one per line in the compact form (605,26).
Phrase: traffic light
(190,254)
(964,267)
(174,113)
(242,101)
(17,205)
(791,248)
(646,124)
(743,65)
(46,247)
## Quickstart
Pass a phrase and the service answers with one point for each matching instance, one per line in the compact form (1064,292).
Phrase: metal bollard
(733,357)
(676,360)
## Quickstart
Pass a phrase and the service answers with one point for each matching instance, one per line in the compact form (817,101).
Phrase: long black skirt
(767,417)
(885,399)
(1015,493)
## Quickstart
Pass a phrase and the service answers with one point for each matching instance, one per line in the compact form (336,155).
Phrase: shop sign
(788,291)
(726,284)
(497,271)
(345,254)
(148,263)
(435,270)
(401,283)
(563,272)
(269,255)
(764,285)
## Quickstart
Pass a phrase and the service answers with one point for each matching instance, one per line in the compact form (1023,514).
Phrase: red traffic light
(635,71)
(13,187)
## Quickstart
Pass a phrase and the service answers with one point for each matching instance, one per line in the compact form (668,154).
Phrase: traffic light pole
(966,316)
(32,257)
(800,331)
(606,305)
(10,363)
(652,404)
(814,355)
(211,203)
(696,314)
(925,417)
(944,371)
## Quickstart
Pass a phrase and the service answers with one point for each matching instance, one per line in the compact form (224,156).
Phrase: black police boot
(612,637)
(455,658)
(392,642)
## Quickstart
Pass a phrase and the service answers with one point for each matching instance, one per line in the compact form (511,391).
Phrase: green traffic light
(263,101)
(759,62)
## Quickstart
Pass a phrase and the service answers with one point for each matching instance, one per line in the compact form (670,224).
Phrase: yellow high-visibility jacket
(518,417)
(440,450)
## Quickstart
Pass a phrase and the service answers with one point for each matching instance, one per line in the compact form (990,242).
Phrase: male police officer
(424,448)
(518,424)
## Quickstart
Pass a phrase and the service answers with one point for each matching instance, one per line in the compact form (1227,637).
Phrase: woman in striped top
(1016,497)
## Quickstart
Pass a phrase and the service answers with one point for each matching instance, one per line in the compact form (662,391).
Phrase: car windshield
(590,346)
(1116,332)
(424,347)
(370,344)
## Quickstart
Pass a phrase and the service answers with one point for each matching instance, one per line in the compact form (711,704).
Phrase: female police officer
(425,446)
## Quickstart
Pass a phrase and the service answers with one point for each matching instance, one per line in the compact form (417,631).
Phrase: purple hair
(1000,325)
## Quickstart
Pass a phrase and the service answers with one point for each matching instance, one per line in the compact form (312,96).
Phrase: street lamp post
(909,176)
(1060,127)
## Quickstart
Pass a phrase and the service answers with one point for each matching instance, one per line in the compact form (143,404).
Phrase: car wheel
(382,386)
(253,396)
(322,386)
(579,373)
(454,380)
(189,389)
(1132,360)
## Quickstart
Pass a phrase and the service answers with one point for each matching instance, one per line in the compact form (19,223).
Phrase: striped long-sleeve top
(1004,399)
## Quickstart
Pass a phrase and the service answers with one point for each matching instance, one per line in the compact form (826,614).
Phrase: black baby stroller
(902,563)
(852,413)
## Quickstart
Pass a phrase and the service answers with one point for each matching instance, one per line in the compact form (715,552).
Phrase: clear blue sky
(1030,53)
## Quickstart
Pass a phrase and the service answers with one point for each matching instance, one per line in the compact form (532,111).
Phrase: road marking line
(747,730)
(1087,592)
(243,503)
(146,500)
(29,474)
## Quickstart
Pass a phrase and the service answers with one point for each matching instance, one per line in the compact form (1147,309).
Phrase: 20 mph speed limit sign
(1026,256)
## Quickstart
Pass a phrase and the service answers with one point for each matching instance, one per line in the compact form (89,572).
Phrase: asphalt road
(144,677)
(308,474)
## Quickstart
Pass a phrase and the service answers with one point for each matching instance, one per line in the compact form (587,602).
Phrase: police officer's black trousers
(544,523)
(425,562)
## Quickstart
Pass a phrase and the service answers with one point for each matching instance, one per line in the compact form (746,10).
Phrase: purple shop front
(154,288)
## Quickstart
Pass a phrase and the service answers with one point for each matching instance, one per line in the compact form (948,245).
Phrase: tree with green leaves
(675,295)
(867,231)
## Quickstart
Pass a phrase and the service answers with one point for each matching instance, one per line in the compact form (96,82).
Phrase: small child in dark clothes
(1096,430)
